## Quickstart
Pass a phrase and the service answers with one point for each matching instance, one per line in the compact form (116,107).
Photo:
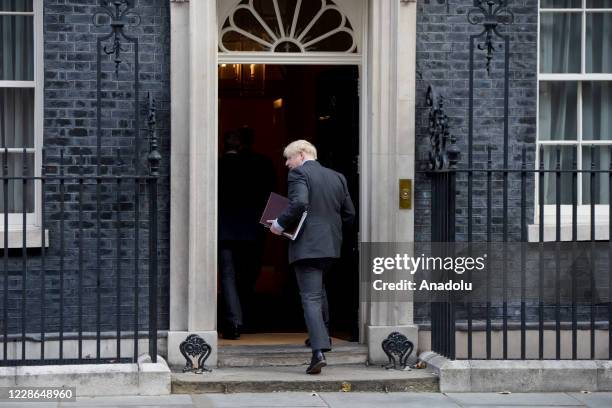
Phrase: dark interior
(282,103)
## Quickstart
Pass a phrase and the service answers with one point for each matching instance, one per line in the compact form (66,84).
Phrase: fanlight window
(287,26)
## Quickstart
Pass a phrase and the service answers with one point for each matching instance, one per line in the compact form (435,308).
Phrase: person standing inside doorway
(245,181)
(255,183)
(324,194)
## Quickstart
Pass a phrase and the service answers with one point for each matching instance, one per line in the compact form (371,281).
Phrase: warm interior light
(247,78)
(278,103)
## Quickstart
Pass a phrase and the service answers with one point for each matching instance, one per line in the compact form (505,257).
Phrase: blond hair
(300,146)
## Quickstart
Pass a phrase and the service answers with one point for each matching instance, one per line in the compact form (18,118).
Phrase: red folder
(275,207)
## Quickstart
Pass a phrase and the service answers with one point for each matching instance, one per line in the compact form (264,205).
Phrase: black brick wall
(70,61)
(442,61)
(443,33)
(70,124)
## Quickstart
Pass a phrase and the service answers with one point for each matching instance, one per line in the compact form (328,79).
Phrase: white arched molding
(269,35)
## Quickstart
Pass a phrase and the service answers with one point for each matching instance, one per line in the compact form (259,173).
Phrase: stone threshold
(519,375)
(333,378)
(288,355)
(141,378)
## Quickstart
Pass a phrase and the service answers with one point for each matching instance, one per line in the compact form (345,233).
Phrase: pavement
(338,400)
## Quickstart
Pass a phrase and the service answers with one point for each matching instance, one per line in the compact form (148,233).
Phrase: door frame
(387,107)
(320,58)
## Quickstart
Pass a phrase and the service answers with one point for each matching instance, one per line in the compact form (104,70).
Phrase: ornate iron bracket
(154,157)
(116,15)
(397,347)
(119,18)
(195,347)
(490,13)
(444,151)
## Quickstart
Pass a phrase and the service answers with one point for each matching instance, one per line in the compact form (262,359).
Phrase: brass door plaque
(405,194)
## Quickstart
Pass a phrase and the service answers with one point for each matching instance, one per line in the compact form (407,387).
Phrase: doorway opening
(272,105)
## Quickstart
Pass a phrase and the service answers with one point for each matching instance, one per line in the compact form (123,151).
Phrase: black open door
(337,141)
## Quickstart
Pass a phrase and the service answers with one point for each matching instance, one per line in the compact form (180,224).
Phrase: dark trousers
(310,276)
(240,263)
(229,288)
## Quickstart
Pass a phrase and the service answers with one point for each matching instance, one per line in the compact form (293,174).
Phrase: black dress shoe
(307,344)
(231,332)
(317,363)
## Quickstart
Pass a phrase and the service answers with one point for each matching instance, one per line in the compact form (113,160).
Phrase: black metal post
(43,245)
(118,13)
(490,14)
(136,263)
(5,190)
(558,255)
(24,254)
(524,240)
(574,239)
(98,269)
(118,256)
(154,159)
(610,255)
(80,228)
(489,240)
(541,255)
(62,192)
(593,254)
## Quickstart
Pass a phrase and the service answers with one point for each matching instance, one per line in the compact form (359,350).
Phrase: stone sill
(141,378)
(583,232)
(520,375)
(33,237)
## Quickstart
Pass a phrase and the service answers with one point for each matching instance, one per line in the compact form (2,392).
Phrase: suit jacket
(324,194)
(245,182)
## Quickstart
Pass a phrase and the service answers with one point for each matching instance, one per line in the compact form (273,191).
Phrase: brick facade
(443,41)
(70,64)
(70,123)
(443,33)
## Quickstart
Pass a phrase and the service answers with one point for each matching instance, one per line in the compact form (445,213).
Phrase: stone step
(288,355)
(333,378)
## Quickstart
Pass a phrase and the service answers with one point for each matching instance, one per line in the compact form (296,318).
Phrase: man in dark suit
(245,181)
(324,194)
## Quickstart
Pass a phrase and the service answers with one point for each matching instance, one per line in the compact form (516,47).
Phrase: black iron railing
(552,283)
(76,295)
(548,250)
(85,274)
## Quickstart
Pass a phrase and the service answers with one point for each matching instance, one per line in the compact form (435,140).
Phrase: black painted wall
(443,44)
(442,61)
(70,124)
